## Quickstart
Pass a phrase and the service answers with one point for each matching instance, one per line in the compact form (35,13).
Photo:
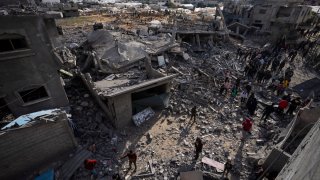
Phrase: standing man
(252,104)
(283,104)
(193,113)
(198,145)
(132,159)
(267,111)
(293,105)
(227,167)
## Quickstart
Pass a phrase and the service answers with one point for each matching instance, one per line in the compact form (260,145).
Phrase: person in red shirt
(246,126)
(132,159)
(283,104)
(89,164)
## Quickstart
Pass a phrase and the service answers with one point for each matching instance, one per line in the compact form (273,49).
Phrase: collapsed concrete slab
(110,53)
(240,30)
(33,142)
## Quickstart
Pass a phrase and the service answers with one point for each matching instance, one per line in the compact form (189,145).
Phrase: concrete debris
(153,80)
(143,116)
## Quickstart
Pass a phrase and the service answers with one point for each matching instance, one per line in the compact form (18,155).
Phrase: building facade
(29,69)
(268,16)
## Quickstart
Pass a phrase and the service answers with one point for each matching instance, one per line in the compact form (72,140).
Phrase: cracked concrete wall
(123,110)
(305,161)
(31,67)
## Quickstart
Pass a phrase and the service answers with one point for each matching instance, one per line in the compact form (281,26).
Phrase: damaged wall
(26,149)
(120,102)
(29,69)
(305,162)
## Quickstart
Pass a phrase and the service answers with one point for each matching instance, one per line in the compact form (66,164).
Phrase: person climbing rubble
(132,156)
(198,148)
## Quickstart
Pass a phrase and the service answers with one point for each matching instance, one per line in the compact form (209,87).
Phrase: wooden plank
(219,166)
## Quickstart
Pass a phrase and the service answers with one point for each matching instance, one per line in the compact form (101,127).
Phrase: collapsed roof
(110,53)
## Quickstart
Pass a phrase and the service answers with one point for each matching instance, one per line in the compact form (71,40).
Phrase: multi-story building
(267,15)
(29,69)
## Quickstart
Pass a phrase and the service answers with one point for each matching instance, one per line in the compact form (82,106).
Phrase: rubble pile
(218,124)
(165,142)
(91,131)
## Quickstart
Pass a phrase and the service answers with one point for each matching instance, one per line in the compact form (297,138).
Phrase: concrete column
(245,33)
(193,40)
(198,41)
(237,31)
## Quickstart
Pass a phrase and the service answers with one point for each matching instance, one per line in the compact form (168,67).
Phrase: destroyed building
(33,142)
(128,91)
(17,2)
(268,16)
(304,162)
(30,80)
(133,76)
(291,138)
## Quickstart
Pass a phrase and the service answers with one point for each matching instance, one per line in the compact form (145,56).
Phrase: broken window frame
(34,88)
(12,37)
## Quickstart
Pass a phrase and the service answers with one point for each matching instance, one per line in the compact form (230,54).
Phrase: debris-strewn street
(152,90)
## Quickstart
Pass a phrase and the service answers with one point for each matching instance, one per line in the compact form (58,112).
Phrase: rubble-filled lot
(165,143)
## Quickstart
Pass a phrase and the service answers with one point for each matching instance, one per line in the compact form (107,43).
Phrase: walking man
(132,159)
(227,167)
(198,145)
(193,113)
(252,104)
(267,111)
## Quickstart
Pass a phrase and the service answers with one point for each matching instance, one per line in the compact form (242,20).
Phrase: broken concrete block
(185,56)
(143,116)
(161,61)
(84,104)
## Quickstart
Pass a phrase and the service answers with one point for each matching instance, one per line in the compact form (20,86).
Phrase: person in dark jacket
(267,111)
(227,167)
(293,105)
(193,113)
(198,146)
(252,104)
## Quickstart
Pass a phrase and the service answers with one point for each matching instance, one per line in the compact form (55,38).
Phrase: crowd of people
(270,69)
